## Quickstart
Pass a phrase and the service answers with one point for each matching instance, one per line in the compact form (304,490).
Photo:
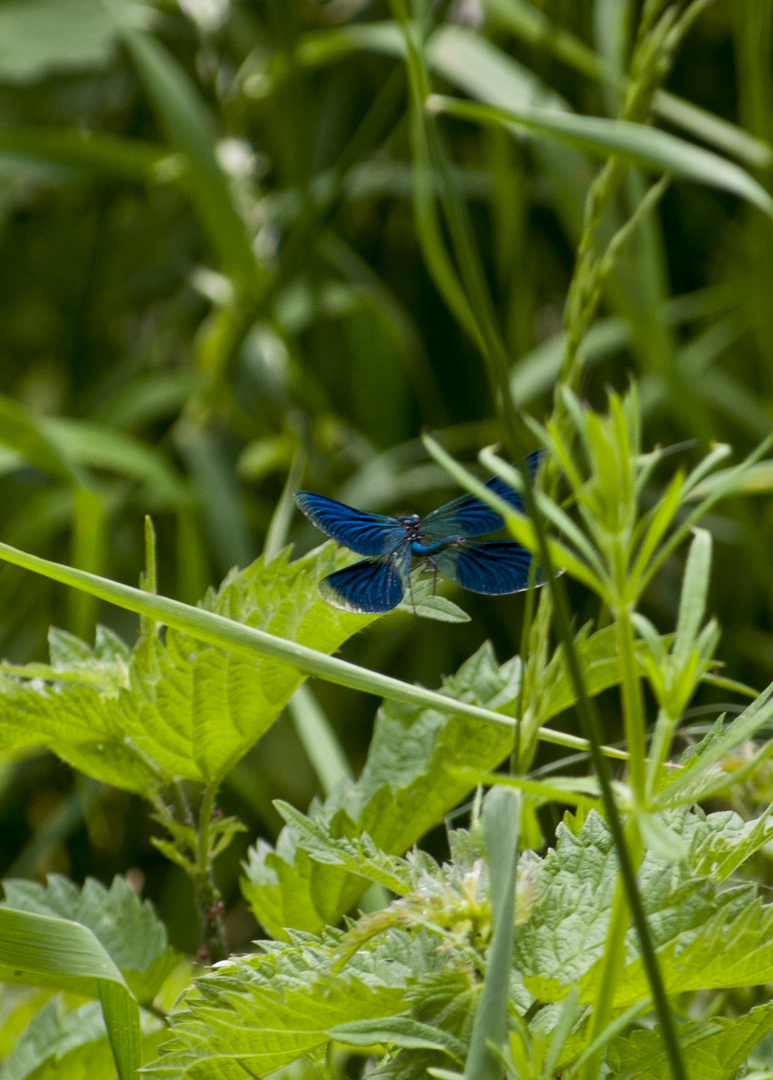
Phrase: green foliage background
(212,292)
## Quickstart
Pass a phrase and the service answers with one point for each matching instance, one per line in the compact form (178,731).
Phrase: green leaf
(96,154)
(716,1048)
(704,770)
(707,935)
(210,626)
(692,603)
(46,951)
(72,1042)
(407,785)
(252,1016)
(126,927)
(359,855)
(410,781)
(179,709)
(39,37)
(400,1032)
(637,144)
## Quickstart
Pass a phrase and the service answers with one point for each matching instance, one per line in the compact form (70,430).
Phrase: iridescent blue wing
(374,585)
(493,568)
(367,534)
(468,516)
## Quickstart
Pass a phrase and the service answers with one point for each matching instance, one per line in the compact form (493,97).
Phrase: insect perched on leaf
(444,540)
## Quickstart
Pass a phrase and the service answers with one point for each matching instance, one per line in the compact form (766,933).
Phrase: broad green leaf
(401,1032)
(212,627)
(359,855)
(46,951)
(40,37)
(252,1016)
(126,927)
(410,781)
(707,935)
(715,1048)
(406,786)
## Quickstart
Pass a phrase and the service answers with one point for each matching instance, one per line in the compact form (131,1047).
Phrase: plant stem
(208,901)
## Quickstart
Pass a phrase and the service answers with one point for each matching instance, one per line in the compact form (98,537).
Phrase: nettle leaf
(715,1048)
(178,708)
(126,927)
(409,783)
(707,935)
(72,1042)
(252,1016)
(406,786)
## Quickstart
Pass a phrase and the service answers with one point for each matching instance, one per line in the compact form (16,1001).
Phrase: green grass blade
(635,143)
(233,636)
(43,951)
(501,824)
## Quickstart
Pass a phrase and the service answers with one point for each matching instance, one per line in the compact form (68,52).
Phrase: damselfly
(444,540)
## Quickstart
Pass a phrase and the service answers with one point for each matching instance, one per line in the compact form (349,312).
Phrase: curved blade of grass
(96,154)
(501,825)
(636,143)
(534,27)
(40,950)
(228,634)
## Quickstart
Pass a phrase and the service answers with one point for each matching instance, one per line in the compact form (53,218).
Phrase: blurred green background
(210,276)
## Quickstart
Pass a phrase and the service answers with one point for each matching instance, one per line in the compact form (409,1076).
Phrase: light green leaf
(323,623)
(46,951)
(715,1048)
(411,779)
(250,1017)
(400,1032)
(39,37)
(126,927)
(692,603)
(358,855)
(707,935)
(62,1041)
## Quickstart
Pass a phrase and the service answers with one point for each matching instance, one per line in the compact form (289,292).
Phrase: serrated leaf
(400,1032)
(178,708)
(706,935)
(126,927)
(410,781)
(360,855)
(715,1048)
(62,1041)
(45,951)
(249,1017)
